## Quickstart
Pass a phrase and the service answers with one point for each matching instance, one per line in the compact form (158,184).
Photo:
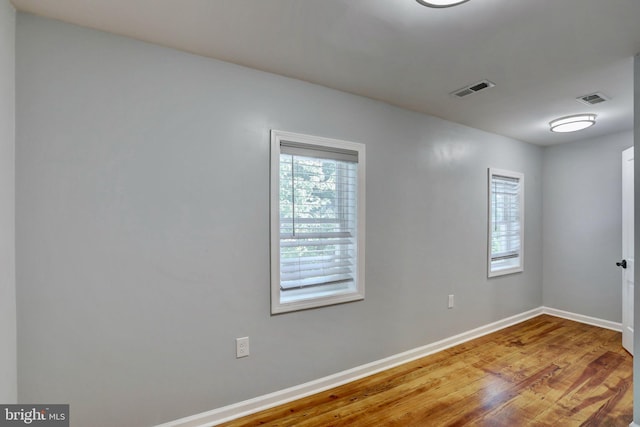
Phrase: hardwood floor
(546,371)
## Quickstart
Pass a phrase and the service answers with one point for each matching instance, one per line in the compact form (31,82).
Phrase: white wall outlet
(242,347)
(450,301)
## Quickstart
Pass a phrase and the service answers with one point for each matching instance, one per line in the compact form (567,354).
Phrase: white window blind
(506,197)
(318,208)
(318,196)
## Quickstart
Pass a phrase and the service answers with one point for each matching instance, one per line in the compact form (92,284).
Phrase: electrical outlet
(242,347)
(450,301)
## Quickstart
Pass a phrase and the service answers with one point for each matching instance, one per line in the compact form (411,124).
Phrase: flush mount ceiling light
(573,123)
(441,3)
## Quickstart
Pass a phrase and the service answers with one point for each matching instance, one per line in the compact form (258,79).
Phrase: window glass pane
(317,221)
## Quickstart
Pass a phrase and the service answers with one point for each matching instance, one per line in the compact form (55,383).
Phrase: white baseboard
(606,324)
(260,403)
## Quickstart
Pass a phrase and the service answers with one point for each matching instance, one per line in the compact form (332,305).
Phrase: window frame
(491,271)
(324,296)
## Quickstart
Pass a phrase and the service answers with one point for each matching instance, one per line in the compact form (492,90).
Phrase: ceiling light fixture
(573,123)
(441,3)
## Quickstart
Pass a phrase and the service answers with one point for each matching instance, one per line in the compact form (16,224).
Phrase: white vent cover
(593,98)
(472,88)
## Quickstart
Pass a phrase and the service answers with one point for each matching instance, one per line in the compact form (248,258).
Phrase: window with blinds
(506,222)
(317,221)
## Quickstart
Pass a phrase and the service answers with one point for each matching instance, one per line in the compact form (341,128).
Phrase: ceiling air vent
(472,88)
(593,98)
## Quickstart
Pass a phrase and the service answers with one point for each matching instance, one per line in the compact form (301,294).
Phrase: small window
(317,221)
(506,222)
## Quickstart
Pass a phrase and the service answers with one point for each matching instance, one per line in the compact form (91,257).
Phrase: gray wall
(143,229)
(582,237)
(636,240)
(8,382)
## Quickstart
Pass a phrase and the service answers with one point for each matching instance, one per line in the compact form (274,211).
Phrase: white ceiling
(541,54)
